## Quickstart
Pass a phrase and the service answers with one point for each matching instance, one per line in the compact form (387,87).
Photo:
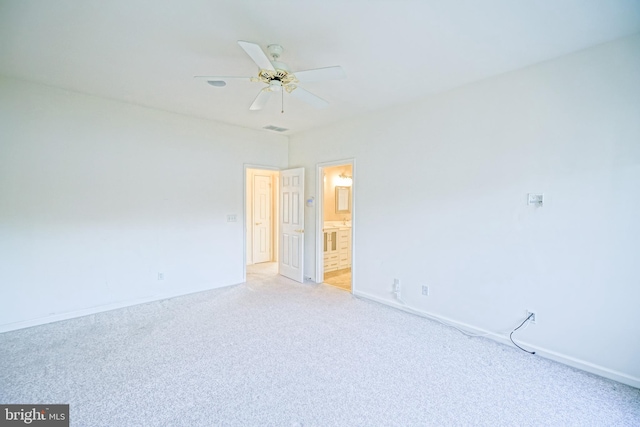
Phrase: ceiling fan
(278,78)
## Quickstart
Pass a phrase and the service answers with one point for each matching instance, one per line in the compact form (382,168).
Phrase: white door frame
(320,218)
(244,213)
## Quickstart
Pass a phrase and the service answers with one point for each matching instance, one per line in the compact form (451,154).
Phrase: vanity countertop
(337,225)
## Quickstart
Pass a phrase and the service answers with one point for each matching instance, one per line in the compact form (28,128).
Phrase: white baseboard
(99,309)
(540,351)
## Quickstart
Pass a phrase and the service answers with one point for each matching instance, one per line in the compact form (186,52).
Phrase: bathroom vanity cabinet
(337,248)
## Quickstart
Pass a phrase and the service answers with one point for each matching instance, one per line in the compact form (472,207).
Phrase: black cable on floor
(511,334)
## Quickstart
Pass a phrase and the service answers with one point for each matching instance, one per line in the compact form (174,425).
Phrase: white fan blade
(320,74)
(261,99)
(257,54)
(309,98)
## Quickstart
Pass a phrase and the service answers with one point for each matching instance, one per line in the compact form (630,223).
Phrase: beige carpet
(339,278)
(274,352)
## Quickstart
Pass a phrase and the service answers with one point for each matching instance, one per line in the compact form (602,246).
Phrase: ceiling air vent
(275,128)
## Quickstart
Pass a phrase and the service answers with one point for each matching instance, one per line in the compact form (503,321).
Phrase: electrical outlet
(534,317)
(160,276)
(425,290)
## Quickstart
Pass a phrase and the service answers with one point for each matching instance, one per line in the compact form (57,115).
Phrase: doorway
(336,214)
(261,214)
(274,221)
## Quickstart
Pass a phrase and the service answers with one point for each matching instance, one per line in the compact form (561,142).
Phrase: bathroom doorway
(336,215)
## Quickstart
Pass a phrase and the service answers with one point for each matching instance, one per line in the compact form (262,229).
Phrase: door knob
(300,231)
(258,223)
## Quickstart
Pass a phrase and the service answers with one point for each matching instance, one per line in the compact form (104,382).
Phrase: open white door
(292,224)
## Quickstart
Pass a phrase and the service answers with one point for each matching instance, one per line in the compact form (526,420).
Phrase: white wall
(98,196)
(442,188)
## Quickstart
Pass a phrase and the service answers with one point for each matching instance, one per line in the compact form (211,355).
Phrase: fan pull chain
(282,92)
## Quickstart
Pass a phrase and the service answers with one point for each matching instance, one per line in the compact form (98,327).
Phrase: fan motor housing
(286,79)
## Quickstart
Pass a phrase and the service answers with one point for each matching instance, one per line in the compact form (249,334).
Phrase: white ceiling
(146,51)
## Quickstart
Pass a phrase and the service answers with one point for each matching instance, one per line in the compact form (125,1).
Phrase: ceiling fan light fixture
(217,83)
(275,86)
(277,77)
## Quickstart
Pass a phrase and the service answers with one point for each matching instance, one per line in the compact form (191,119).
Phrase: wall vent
(275,128)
